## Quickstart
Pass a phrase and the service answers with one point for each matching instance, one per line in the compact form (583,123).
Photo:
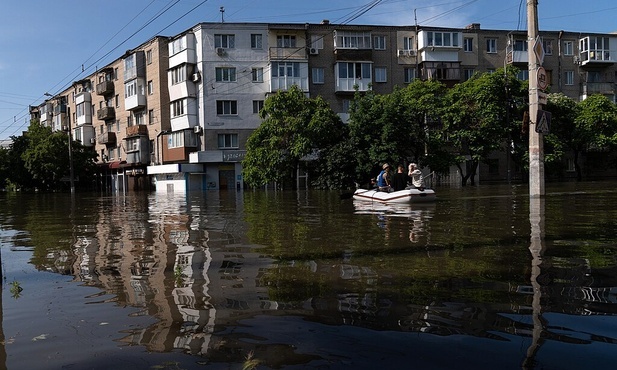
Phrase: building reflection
(198,280)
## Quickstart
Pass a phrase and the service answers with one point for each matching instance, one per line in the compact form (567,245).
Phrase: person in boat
(383,179)
(417,180)
(399,179)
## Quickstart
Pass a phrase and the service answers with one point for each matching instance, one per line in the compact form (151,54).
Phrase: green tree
(563,114)
(477,121)
(393,127)
(294,128)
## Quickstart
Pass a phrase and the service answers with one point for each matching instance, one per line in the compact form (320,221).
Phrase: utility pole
(536,140)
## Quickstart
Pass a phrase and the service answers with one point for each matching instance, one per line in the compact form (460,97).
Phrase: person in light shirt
(417,180)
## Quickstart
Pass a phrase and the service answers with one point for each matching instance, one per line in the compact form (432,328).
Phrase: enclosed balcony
(106,114)
(107,138)
(595,51)
(105,88)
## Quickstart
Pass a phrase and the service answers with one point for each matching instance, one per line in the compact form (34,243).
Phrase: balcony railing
(137,130)
(106,113)
(105,88)
(605,88)
(107,138)
(288,53)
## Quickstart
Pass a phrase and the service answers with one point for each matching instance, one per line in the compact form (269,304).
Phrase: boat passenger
(383,179)
(417,180)
(399,179)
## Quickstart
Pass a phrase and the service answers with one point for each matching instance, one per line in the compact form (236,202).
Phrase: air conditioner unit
(196,77)
(401,52)
(412,53)
(220,51)
(92,141)
(314,51)
(197,129)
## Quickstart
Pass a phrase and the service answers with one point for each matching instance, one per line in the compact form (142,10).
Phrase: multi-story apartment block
(178,111)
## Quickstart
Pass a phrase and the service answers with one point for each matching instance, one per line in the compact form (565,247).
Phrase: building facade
(177,112)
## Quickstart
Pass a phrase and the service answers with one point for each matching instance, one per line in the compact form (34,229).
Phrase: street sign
(542,78)
(542,98)
(543,122)
(538,49)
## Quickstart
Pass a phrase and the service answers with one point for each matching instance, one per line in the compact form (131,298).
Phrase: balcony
(105,88)
(595,51)
(287,53)
(106,114)
(107,138)
(604,88)
(137,130)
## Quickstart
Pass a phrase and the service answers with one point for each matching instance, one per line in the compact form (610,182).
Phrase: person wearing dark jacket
(399,179)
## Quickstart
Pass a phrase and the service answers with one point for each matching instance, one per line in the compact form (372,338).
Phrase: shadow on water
(484,275)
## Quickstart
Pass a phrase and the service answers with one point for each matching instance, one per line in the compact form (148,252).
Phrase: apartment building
(177,112)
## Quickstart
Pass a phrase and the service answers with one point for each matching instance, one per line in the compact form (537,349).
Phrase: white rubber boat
(410,195)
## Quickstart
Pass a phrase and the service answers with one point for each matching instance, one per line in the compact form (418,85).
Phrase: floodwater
(485,278)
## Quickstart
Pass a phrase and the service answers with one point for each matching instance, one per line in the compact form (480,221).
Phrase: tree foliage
(476,118)
(294,127)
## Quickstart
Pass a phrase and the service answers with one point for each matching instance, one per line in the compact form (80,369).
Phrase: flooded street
(483,278)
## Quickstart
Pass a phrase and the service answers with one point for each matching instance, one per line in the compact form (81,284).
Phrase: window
(354,70)
(257,75)
(256,41)
(129,121)
(346,105)
(286,41)
(177,46)
(150,88)
(285,69)
(130,89)
(468,73)
(491,45)
(548,47)
(408,43)
(380,74)
(149,56)
(175,139)
(228,141)
(352,40)
(139,118)
(410,74)
(490,70)
(257,106)
(117,100)
(520,45)
(568,77)
(225,41)
(317,75)
(446,39)
(468,44)
(568,48)
(523,75)
(226,107)
(132,145)
(178,74)
(225,74)
(151,116)
(177,108)
(379,42)
(317,41)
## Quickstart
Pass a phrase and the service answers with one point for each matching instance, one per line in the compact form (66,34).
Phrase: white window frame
(409,74)
(379,42)
(177,108)
(286,41)
(225,74)
(408,43)
(491,46)
(226,107)
(568,78)
(256,41)
(468,45)
(381,74)
(227,141)
(225,41)
(257,106)
(442,39)
(175,140)
(257,74)
(317,75)
(568,47)
(178,74)
(352,40)
(317,41)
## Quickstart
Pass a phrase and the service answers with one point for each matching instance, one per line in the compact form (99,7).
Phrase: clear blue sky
(43,43)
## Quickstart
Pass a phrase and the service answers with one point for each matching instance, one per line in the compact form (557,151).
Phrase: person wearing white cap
(383,179)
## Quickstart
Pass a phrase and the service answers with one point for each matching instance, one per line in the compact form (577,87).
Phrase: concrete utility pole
(536,141)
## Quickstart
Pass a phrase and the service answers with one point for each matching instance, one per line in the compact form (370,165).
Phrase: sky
(46,45)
